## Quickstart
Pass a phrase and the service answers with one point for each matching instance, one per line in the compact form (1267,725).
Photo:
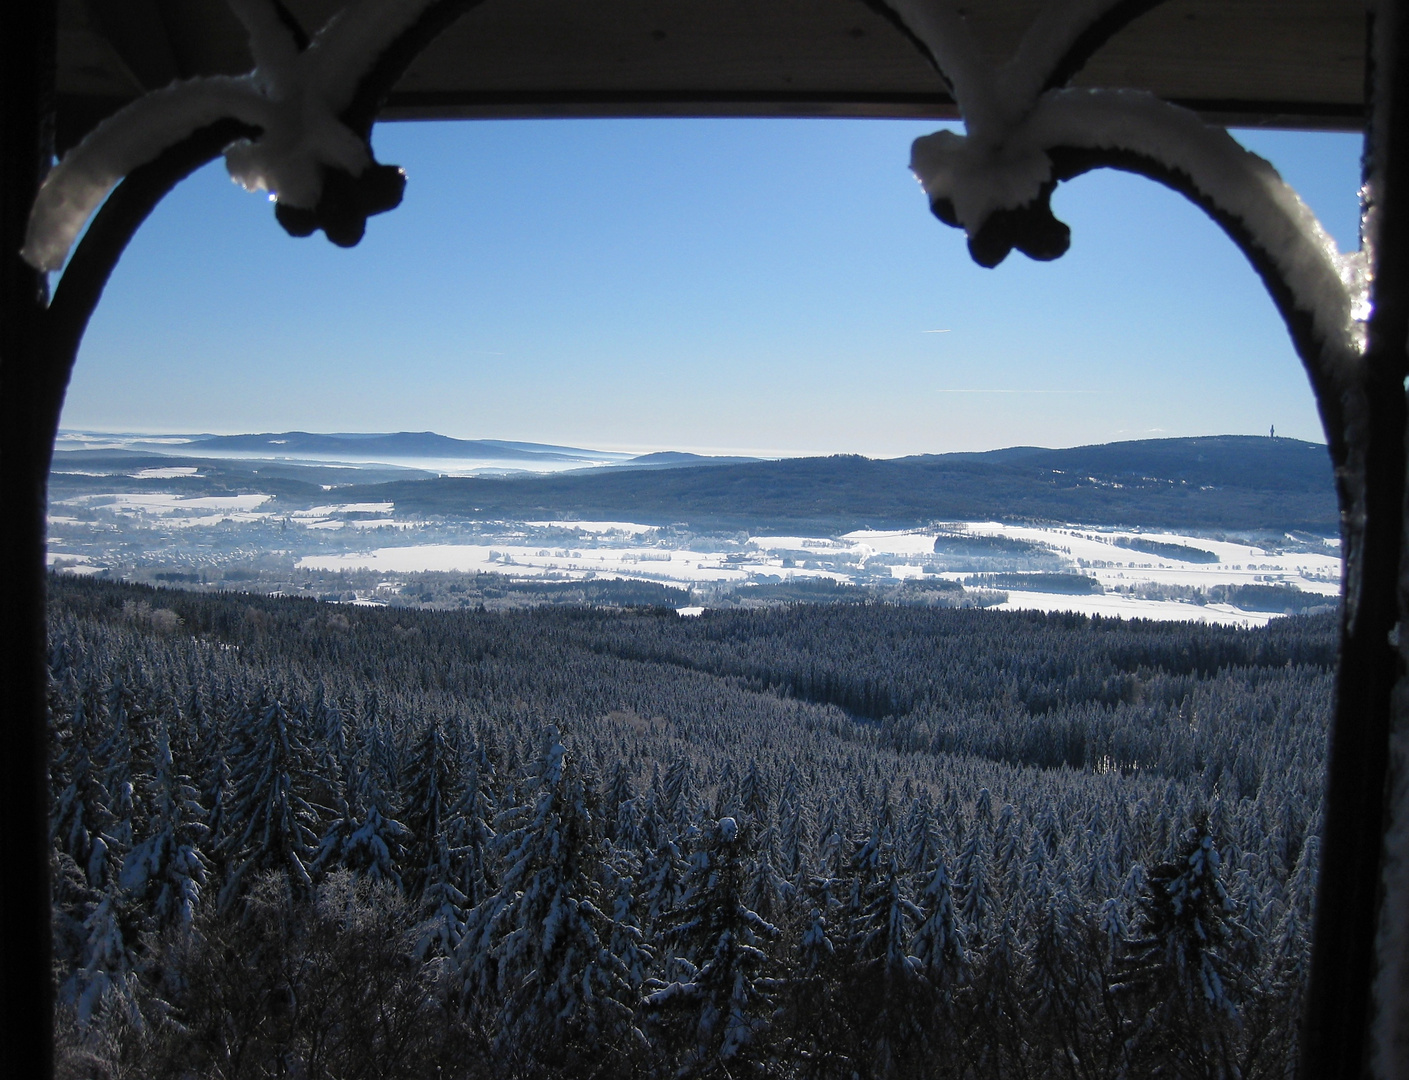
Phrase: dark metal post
(1336,1041)
(27,34)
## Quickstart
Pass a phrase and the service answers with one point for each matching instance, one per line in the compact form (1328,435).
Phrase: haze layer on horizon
(765,287)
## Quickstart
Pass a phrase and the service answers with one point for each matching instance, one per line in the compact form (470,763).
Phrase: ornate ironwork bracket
(298,126)
(1026,132)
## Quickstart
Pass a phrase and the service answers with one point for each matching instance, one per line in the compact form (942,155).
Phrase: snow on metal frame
(295,96)
(1013,117)
(1017,117)
(979,179)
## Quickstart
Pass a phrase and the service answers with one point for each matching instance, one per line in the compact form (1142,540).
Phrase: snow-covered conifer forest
(296,839)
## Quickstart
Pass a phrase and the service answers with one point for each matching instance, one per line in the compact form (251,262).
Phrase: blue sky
(709,285)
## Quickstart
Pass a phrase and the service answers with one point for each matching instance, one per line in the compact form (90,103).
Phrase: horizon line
(639,450)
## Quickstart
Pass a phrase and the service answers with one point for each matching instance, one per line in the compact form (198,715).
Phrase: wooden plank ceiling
(1293,63)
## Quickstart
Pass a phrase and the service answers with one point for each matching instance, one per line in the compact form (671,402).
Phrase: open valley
(341,530)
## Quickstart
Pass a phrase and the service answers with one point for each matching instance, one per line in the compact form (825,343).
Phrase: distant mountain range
(1225,482)
(675,459)
(1238,483)
(382,446)
(388,447)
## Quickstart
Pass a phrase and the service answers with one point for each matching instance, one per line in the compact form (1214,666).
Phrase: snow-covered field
(1238,564)
(332,537)
(1095,553)
(174,511)
(894,554)
(166,503)
(645,564)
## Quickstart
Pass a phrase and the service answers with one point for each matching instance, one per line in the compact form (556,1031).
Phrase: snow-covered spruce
(430,876)
(273,822)
(107,979)
(1177,979)
(891,1002)
(166,871)
(1047,862)
(564,994)
(80,815)
(292,97)
(364,838)
(716,1012)
(469,830)
(939,944)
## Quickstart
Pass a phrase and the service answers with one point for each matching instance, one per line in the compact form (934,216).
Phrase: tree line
(301,839)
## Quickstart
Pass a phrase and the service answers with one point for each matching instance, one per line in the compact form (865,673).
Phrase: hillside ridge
(1218,482)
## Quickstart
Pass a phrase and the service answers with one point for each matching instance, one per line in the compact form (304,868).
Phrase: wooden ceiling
(1290,63)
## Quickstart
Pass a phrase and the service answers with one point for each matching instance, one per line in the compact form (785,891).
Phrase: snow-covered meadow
(520,560)
(1170,578)
(875,557)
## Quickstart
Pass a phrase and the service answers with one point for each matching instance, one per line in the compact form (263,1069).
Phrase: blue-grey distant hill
(1215,483)
(393,445)
(676,459)
(90,472)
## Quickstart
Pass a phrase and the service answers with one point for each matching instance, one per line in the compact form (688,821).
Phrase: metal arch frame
(1343,962)
(1345,923)
(39,343)
(38,347)
(1355,951)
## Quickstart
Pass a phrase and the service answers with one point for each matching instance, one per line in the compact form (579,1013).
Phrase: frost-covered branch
(294,95)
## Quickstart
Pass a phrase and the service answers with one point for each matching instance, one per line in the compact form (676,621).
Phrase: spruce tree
(1175,982)
(364,838)
(976,899)
(126,722)
(888,995)
(618,790)
(565,995)
(629,943)
(767,892)
(818,1039)
(753,796)
(166,871)
(792,840)
(272,825)
(428,792)
(430,875)
(939,942)
(81,816)
(677,792)
(716,1015)
(662,881)
(469,828)
(108,978)
(628,828)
